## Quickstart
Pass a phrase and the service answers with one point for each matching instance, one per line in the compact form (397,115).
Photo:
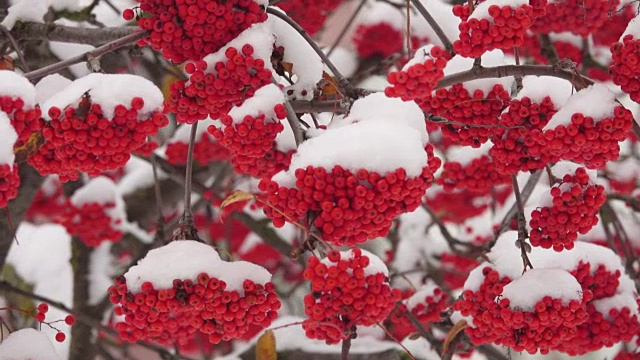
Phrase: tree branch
(69,34)
(434,25)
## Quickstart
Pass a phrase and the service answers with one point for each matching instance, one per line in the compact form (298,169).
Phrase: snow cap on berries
(17,86)
(263,101)
(101,190)
(186,259)
(536,88)
(596,101)
(8,138)
(535,284)
(27,344)
(490,58)
(481,11)
(108,91)
(633,28)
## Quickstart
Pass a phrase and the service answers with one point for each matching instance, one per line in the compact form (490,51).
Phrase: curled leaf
(266,347)
(453,333)
(237,196)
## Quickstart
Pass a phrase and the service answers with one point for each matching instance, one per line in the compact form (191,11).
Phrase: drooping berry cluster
(49,204)
(213,89)
(478,175)
(492,26)
(205,150)
(380,39)
(348,289)
(169,316)
(420,76)
(573,211)
(578,16)
(190,30)
(91,223)
(310,14)
(83,139)
(551,322)
(478,110)
(625,66)
(222,307)
(586,140)
(348,208)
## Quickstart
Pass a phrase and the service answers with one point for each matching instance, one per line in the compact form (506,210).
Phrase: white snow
(492,58)
(377,12)
(186,259)
(481,10)
(49,86)
(102,190)
(26,10)
(17,86)
(262,102)
(65,51)
(563,167)
(8,138)
(344,59)
(633,28)
(183,132)
(537,88)
(618,302)
(101,272)
(523,293)
(441,11)
(374,145)
(307,65)
(69,5)
(465,154)
(138,175)
(109,90)
(419,296)
(27,344)
(419,57)
(596,101)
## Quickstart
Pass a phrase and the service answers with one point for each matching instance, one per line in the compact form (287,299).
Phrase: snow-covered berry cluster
(218,299)
(625,65)
(95,124)
(574,301)
(189,30)
(18,102)
(470,169)
(588,135)
(9,177)
(348,289)
(574,207)
(420,75)
(577,16)
(493,25)
(95,213)
(222,80)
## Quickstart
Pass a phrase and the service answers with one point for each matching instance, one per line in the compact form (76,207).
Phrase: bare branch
(434,25)
(69,34)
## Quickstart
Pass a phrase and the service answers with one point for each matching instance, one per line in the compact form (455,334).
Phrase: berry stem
(346,346)
(434,25)
(187,216)
(522,226)
(95,53)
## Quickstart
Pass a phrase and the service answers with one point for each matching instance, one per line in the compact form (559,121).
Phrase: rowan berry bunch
(191,30)
(477,109)
(49,203)
(477,174)
(349,208)
(425,305)
(40,315)
(310,14)
(491,26)
(171,311)
(565,45)
(206,149)
(214,87)
(380,39)
(588,137)
(19,104)
(348,289)
(263,167)
(574,210)
(9,183)
(625,66)
(577,16)
(419,76)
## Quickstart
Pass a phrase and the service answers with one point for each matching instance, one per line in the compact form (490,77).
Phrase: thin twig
(160,235)
(346,27)
(16,47)
(434,25)
(526,193)
(522,226)
(187,217)
(346,346)
(95,53)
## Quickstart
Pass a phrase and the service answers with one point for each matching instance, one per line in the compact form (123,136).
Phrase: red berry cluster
(585,141)
(547,327)
(455,269)
(26,121)
(49,203)
(83,139)
(381,39)
(614,27)
(478,110)
(479,175)
(173,316)
(574,211)
(511,152)
(625,66)
(41,315)
(264,167)
(249,139)
(205,150)
(214,91)
(504,29)
(427,310)
(581,17)
(310,14)
(602,282)
(419,79)
(9,183)
(345,292)
(190,30)
(348,208)
(565,50)
(146,149)
(91,223)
